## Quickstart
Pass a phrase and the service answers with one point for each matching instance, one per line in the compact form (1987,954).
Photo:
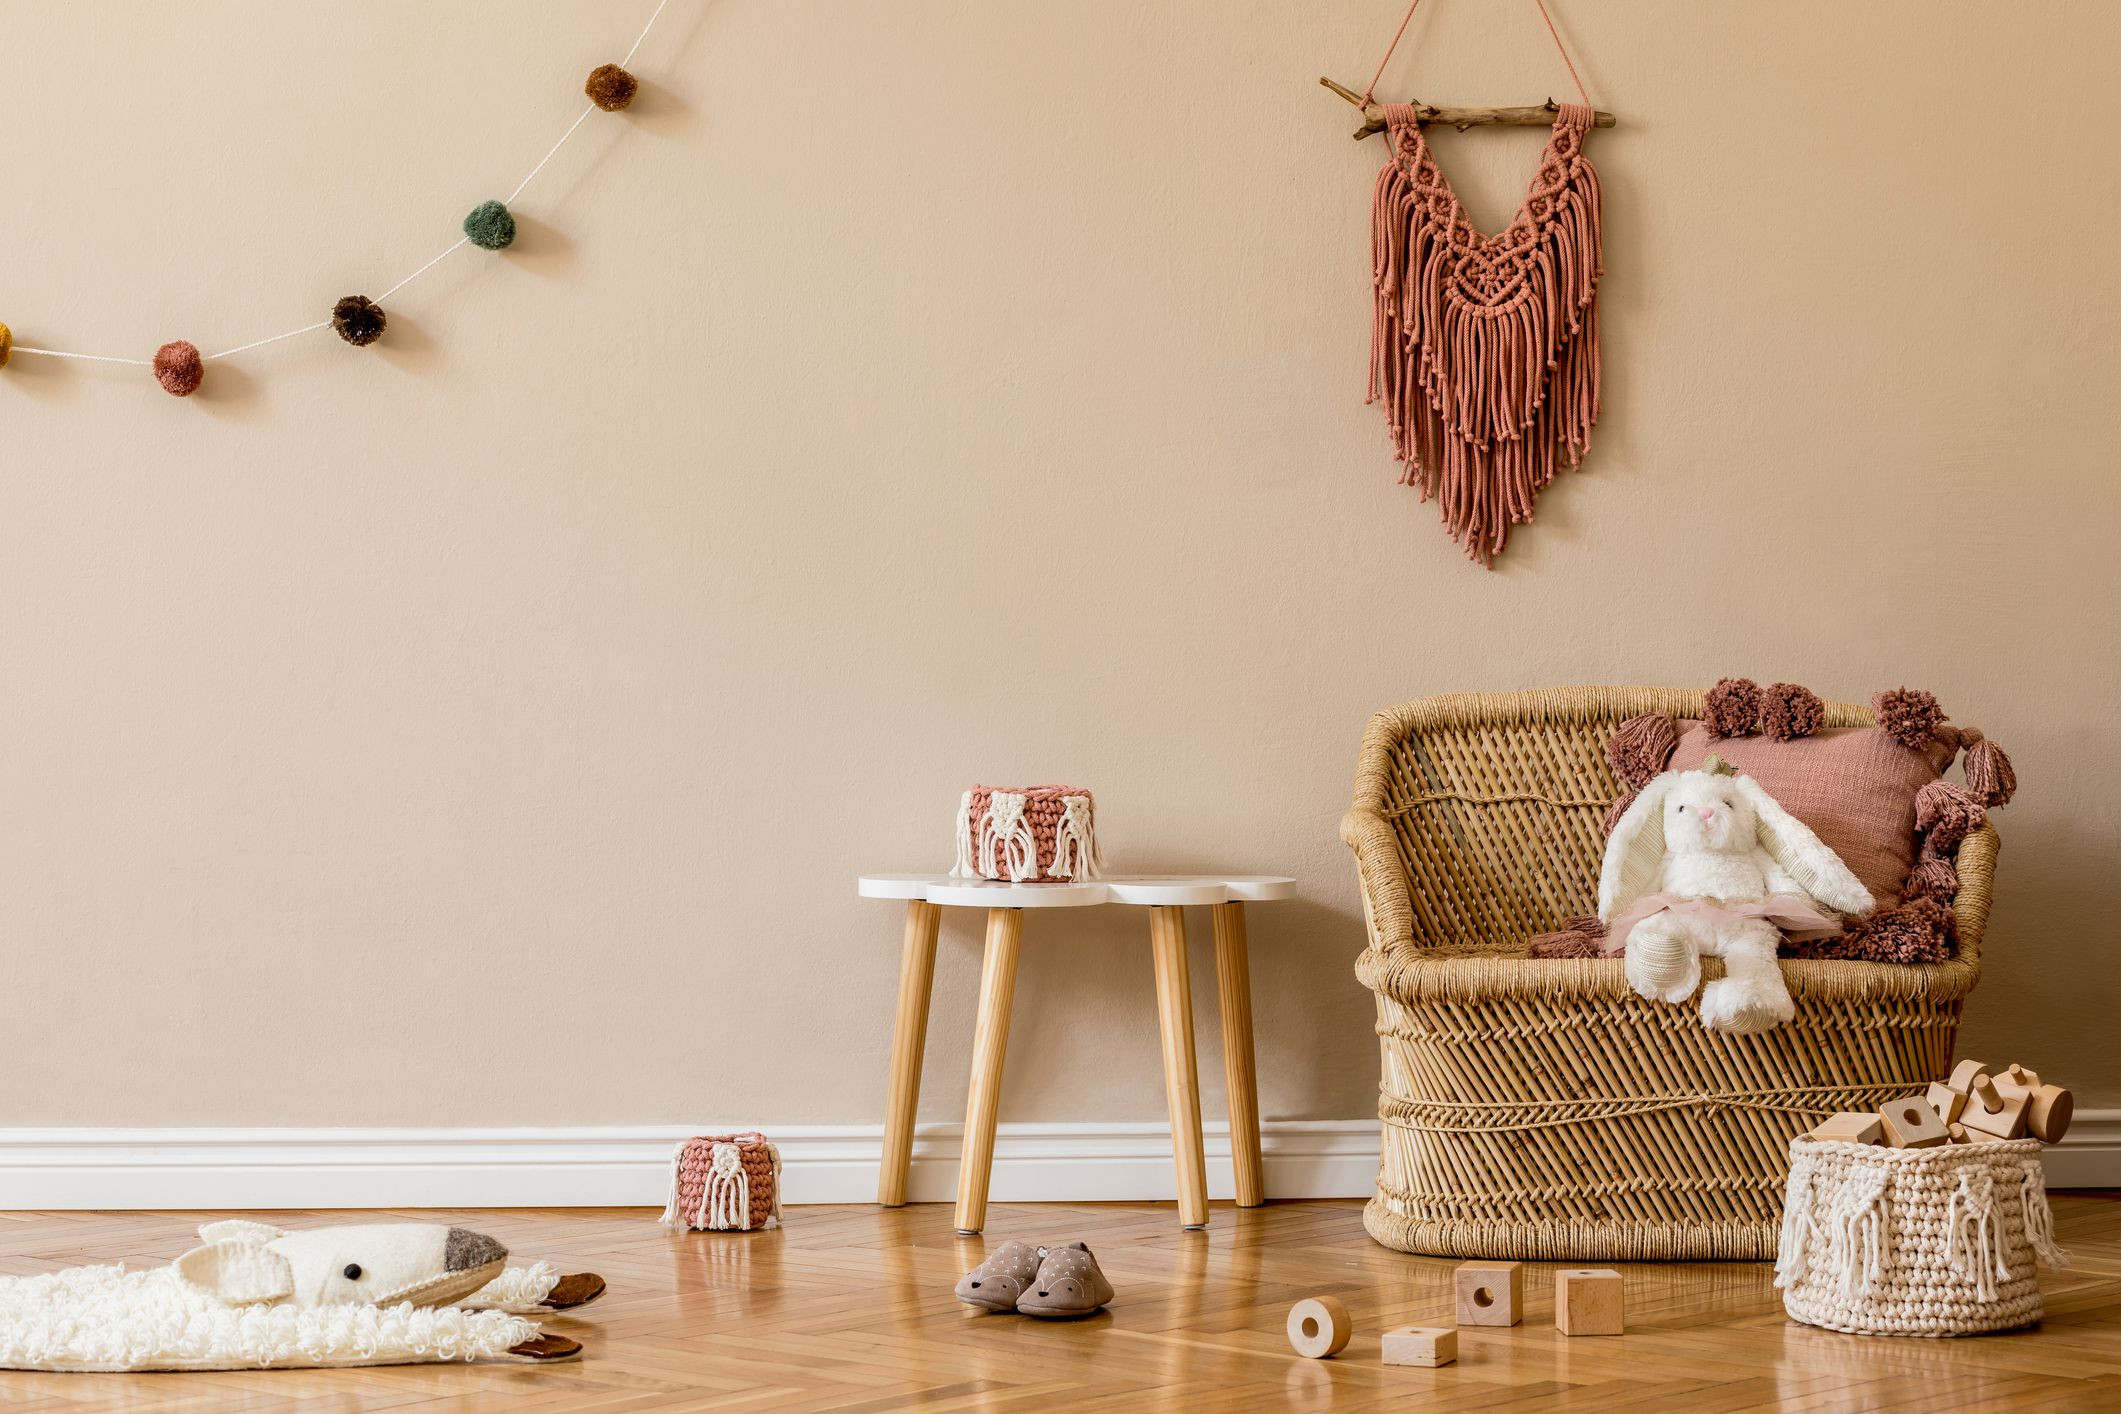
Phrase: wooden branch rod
(1539,115)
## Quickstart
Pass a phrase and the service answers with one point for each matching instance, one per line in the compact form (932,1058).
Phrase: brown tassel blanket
(1484,349)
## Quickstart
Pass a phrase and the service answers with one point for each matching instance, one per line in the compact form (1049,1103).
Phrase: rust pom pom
(1933,877)
(1618,809)
(1732,708)
(1988,771)
(1908,715)
(1946,814)
(179,369)
(611,87)
(358,320)
(1788,711)
(7,344)
(1577,937)
(1641,747)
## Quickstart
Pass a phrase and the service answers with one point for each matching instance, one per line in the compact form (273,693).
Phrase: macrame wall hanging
(1483,348)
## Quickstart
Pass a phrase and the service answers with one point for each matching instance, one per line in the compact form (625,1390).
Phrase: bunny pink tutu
(1795,916)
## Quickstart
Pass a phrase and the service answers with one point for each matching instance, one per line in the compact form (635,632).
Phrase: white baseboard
(629,1166)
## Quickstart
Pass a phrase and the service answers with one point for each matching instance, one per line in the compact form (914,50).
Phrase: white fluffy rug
(108,1318)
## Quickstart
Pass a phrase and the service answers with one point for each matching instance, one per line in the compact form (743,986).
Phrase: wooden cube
(1850,1127)
(2017,1077)
(2000,1115)
(1912,1124)
(1965,1074)
(1589,1301)
(1946,1101)
(1490,1293)
(1427,1346)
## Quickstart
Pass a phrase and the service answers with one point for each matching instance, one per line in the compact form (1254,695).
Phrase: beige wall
(381,725)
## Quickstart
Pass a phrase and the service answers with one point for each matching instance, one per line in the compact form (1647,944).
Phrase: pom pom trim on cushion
(358,320)
(1789,711)
(490,226)
(1945,814)
(1641,747)
(611,88)
(1908,715)
(1732,707)
(1577,937)
(1933,876)
(179,369)
(1988,771)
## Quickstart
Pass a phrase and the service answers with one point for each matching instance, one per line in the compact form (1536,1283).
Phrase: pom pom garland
(1641,746)
(1732,707)
(1789,711)
(358,320)
(179,369)
(1946,814)
(611,88)
(1908,715)
(490,226)
(7,344)
(1988,771)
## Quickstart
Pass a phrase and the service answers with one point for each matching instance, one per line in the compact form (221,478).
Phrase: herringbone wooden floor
(850,1309)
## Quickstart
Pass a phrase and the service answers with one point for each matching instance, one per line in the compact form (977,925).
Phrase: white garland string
(460,243)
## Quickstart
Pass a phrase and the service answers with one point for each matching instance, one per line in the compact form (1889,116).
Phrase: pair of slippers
(1058,1283)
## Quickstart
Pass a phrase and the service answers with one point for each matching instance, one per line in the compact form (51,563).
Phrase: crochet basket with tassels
(724,1183)
(1027,834)
(1926,1242)
(1538,1108)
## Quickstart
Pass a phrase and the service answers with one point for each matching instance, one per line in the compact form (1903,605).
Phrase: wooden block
(1490,1293)
(1850,1127)
(1965,1074)
(1319,1327)
(1912,1124)
(1994,1113)
(1427,1346)
(1957,1131)
(1589,1302)
(1946,1101)
(2048,1107)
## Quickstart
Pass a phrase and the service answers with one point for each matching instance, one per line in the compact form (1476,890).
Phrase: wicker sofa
(1538,1108)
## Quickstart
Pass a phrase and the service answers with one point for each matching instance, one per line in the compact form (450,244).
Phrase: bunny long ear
(1634,852)
(240,1273)
(238,1230)
(1803,855)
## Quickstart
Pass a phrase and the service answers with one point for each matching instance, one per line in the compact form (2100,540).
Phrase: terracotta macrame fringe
(1484,349)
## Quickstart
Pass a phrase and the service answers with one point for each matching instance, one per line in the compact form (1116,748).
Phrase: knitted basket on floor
(1538,1108)
(1027,834)
(1928,1242)
(724,1183)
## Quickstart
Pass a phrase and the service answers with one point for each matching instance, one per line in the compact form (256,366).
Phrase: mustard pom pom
(610,87)
(7,344)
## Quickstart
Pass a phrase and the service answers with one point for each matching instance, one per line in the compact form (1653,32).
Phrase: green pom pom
(490,227)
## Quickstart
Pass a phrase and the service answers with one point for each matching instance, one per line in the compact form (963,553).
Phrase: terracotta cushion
(1855,787)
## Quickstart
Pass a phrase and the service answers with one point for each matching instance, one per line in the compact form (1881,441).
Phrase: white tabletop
(1164,890)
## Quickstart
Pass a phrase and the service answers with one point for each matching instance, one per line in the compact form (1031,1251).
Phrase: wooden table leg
(997,987)
(1174,1011)
(1233,983)
(909,1039)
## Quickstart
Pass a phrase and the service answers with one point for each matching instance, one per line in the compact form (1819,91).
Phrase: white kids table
(926,895)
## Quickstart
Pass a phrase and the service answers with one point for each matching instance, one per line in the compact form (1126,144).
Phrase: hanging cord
(1408,19)
(461,242)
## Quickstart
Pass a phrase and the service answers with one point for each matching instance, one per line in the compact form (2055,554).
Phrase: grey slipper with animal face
(1069,1285)
(995,1284)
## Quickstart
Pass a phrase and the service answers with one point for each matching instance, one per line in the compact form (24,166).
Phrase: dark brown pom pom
(1788,711)
(179,369)
(1988,771)
(359,320)
(1908,715)
(1945,814)
(1577,937)
(1641,747)
(1933,876)
(1732,708)
(611,87)
(1617,809)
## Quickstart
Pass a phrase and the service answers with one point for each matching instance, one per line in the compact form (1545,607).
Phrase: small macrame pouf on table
(1924,1242)
(724,1183)
(1027,834)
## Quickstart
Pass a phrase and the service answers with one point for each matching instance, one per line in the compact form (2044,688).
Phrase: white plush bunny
(1707,862)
